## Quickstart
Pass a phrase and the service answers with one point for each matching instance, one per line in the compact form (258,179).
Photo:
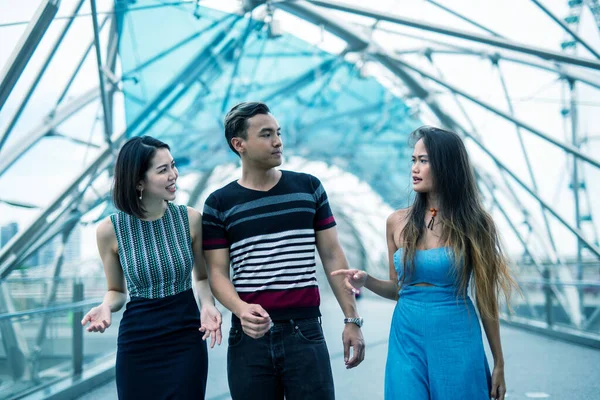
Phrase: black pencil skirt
(160,352)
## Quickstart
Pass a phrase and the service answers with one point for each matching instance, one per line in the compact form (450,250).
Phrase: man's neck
(259,179)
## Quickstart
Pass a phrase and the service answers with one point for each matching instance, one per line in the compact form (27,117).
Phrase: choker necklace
(432,220)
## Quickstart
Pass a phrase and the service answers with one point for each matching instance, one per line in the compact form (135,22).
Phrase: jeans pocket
(310,332)
(235,336)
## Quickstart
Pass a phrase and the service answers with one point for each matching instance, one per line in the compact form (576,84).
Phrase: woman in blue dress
(435,247)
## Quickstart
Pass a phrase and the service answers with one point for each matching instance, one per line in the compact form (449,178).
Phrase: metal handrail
(51,279)
(556,282)
(51,310)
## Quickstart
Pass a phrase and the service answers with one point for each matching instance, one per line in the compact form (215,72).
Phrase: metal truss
(220,58)
(569,299)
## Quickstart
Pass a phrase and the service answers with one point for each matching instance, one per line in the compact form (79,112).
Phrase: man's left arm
(333,259)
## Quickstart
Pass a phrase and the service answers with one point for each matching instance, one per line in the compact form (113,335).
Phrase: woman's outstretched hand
(99,317)
(353,279)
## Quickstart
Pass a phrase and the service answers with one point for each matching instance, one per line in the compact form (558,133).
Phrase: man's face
(263,145)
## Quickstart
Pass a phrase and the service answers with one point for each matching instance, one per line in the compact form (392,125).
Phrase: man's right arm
(255,320)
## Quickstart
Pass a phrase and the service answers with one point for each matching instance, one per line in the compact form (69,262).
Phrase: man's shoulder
(300,177)
(223,192)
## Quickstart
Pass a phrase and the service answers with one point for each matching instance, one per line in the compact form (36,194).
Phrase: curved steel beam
(29,41)
(39,75)
(502,172)
(106,114)
(591,246)
(57,117)
(524,151)
(566,28)
(397,67)
(305,79)
(496,56)
(492,41)
(562,301)
(75,72)
(13,252)
(355,41)
(566,147)
(180,83)
(470,21)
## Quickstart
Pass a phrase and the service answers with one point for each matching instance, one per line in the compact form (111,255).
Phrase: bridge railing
(45,344)
(561,301)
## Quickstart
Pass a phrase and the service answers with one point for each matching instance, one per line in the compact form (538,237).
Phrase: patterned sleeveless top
(156,256)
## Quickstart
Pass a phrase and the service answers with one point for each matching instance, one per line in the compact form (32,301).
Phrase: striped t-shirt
(271,240)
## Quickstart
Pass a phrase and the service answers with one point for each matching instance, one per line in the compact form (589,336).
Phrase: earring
(141,191)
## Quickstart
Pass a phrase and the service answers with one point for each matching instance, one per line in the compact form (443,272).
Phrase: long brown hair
(466,227)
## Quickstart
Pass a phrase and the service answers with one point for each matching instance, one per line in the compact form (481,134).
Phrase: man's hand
(352,337)
(255,320)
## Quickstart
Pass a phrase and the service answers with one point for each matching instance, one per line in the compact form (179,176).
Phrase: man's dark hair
(132,164)
(236,120)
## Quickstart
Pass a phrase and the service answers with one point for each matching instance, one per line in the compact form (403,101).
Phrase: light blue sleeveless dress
(435,344)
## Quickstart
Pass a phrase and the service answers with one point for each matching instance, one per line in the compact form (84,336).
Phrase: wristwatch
(357,321)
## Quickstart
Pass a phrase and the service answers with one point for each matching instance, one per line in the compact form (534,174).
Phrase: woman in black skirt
(156,248)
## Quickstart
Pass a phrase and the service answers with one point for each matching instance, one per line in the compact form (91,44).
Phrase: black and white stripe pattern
(280,261)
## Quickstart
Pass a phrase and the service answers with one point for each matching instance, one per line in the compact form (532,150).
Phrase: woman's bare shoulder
(105,235)
(397,219)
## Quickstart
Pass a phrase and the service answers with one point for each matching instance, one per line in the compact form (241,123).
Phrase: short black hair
(132,164)
(236,120)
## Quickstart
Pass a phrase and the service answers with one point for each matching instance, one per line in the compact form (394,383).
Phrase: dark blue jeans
(291,359)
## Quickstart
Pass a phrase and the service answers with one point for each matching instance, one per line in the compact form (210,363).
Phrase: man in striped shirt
(265,226)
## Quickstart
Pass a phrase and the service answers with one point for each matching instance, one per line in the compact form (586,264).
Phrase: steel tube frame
(553,288)
(420,92)
(13,339)
(24,50)
(566,28)
(425,97)
(525,154)
(107,117)
(503,176)
(57,267)
(57,117)
(79,65)
(470,21)
(344,31)
(240,42)
(551,67)
(575,179)
(573,230)
(566,147)
(39,76)
(10,254)
(492,41)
